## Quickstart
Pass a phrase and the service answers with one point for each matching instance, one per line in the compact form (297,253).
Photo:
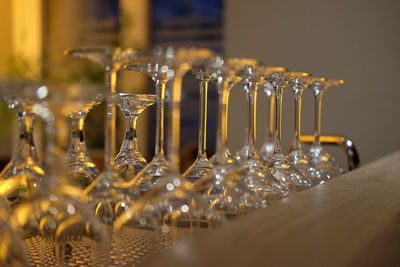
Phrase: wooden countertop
(353,220)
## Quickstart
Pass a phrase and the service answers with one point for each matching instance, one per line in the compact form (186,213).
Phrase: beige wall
(355,40)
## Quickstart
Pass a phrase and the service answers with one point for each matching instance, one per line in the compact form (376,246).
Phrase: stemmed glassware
(281,168)
(321,159)
(257,178)
(79,100)
(23,173)
(267,148)
(183,61)
(112,60)
(129,160)
(11,248)
(296,156)
(203,70)
(58,228)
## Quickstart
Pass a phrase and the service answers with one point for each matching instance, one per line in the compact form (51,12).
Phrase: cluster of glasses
(66,212)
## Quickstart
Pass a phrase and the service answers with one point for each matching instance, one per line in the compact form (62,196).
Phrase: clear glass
(257,178)
(79,100)
(23,173)
(201,166)
(267,148)
(129,161)
(183,61)
(112,60)
(320,158)
(58,228)
(11,248)
(167,210)
(221,188)
(279,167)
(296,156)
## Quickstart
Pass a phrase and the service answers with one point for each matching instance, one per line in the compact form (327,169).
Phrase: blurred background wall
(354,40)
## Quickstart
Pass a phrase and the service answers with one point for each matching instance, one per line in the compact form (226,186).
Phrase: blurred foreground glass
(23,173)
(320,158)
(11,248)
(57,225)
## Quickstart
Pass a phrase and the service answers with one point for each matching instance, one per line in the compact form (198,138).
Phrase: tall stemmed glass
(58,228)
(111,59)
(129,160)
(222,188)
(267,148)
(252,171)
(281,168)
(79,100)
(321,159)
(24,171)
(296,155)
(183,60)
(203,70)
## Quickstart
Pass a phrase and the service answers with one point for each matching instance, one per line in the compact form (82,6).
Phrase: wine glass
(24,172)
(170,212)
(203,70)
(320,158)
(112,60)
(296,156)
(11,248)
(281,168)
(57,226)
(129,161)
(182,63)
(223,189)
(79,99)
(257,178)
(267,148)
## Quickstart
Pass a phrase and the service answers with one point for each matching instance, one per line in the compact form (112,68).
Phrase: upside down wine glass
(80,99)
(203,70)
(296,155)
(111,59)
(58,229)
(182,63)
(321,159)
(23,173)
(281,168)
(129,160)
(222,188)
(257,178)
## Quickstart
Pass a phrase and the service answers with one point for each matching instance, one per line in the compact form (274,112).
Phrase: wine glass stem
(26,148)
(278,120)
(130,143)
(252,91)
(111,118)
(271,125)
(160,131)
(77,147)
(221,142)
(175,121)
(296,145)
(318,113)
(203,117)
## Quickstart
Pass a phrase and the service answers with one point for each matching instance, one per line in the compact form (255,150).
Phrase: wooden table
(353,220)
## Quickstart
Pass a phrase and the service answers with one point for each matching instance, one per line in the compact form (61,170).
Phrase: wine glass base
(200,168)
(288,175)
(267,150)
(306,167)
